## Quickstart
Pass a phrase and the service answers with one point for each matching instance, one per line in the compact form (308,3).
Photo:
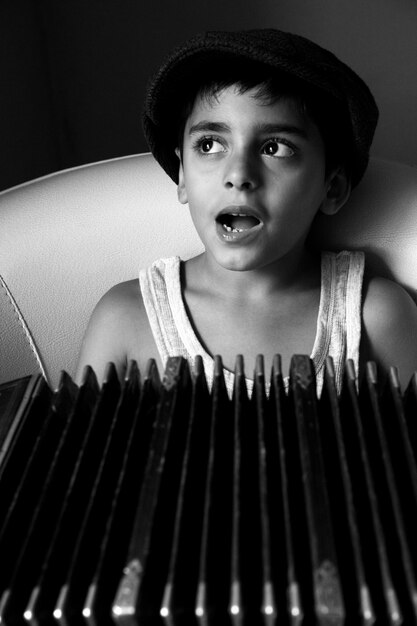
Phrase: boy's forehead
(230,104)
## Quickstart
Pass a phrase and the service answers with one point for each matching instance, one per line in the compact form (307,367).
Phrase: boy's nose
(241,173)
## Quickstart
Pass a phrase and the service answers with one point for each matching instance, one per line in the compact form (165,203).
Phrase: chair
(67,237)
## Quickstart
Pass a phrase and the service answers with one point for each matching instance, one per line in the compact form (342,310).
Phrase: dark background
(73,73)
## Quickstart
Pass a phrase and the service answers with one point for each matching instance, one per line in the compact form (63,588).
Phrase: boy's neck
(296,271)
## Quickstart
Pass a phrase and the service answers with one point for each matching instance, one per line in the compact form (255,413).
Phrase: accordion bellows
(163,502)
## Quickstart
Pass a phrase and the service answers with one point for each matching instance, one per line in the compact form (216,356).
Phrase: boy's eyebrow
(208,126)
(291,129)
(270,128)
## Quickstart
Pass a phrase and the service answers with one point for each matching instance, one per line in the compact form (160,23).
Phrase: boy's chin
(257,259)
(239,262)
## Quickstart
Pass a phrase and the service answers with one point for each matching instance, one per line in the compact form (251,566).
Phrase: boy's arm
(390,328)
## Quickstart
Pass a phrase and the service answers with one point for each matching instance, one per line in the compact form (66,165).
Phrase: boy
(260,130)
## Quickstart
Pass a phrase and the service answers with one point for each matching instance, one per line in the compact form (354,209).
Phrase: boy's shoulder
(120,296)
(118,330)
(121,303)
(390,325)
(122,309)
(396,301)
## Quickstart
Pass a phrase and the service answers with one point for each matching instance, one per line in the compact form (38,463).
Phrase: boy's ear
(181,191)
(338,192)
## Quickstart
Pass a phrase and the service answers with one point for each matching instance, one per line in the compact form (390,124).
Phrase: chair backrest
(66,238)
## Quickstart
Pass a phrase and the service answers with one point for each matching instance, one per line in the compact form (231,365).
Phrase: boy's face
(253,175)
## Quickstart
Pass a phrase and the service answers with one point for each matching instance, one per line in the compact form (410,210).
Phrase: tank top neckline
(173,266)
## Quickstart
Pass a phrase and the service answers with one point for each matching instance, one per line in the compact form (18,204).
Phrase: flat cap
(281,53)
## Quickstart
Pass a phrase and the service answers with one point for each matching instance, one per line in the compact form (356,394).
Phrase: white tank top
(338,323)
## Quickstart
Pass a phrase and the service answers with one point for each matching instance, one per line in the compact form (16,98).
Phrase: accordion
(159,501)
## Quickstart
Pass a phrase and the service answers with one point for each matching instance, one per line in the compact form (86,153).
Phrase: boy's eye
(277,148)
(210,146)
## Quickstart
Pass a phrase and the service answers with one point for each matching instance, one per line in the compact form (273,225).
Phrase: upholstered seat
(66,238)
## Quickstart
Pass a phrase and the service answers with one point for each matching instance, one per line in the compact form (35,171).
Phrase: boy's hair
(277,64)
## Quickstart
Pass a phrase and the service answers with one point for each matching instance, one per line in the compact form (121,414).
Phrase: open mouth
(237,222)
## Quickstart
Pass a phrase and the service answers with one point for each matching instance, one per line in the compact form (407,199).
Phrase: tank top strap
(153,284)
(340,313)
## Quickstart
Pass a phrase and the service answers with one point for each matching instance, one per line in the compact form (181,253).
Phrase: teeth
(232,230)
(228,220)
